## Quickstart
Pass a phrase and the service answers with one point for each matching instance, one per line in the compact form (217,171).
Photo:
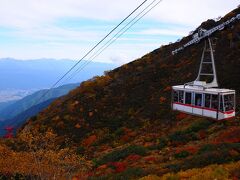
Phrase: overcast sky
(32,29)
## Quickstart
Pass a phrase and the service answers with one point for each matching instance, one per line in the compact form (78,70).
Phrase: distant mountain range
(34,99)
(42,73)
(16,113)
(21,118)
(4,105)
(19,78)
(14,94)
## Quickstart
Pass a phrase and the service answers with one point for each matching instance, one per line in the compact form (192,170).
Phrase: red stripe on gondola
(209,109)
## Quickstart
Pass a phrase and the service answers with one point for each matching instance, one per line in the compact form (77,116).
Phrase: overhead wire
(116,36)
(91,50)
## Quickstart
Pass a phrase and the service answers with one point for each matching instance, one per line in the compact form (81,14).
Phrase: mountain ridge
(34,99)
(18,120)
(42,73)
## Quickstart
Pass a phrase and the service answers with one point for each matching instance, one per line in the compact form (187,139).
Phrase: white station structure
(202,97)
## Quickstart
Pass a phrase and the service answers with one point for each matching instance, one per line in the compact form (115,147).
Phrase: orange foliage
(148,144)
(162,100)
(168,88)
(128,134)
(150,159)
(71,107)
(90,114)
(102,167)
(77,126)
(125,138)
(202,134)
(181,116)
(233,152)
(190,149)
(164,66)
(133,157)
(118,166)
(183,63)
(231,135)
(89,141)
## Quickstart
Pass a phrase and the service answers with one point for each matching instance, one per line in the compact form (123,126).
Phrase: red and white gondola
(202,97)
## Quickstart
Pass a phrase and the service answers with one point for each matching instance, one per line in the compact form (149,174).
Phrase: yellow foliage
(42,163)
(43,159)
(150,177)
(212,172)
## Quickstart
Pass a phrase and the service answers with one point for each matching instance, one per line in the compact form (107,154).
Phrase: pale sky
(33,29)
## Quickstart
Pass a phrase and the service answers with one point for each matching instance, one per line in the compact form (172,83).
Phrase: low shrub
(117,155)
(183,136)
(198,125)
(207,155)
(171,177)
(161,143)
(16,176)
(105,139)
(219,147)
(206,148)
(213,154)
(178,136)
(189,134)
(205,159)
(80,150)
(119,132)
(130,173)
(173,167)
(182,154)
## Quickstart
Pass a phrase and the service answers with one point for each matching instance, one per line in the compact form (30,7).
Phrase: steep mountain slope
(123,123)
(134,90)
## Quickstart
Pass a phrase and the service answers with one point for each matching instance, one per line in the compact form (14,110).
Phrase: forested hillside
(122,127)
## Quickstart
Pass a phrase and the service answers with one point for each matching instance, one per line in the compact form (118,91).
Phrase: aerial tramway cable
(95,54)
(124,29)
(61,78)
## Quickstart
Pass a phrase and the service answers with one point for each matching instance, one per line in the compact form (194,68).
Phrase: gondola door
(198,104)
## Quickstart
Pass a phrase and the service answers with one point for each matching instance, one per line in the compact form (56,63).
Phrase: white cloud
(56,34)
(32,13)
(192,12)
(168,32)
(34,22)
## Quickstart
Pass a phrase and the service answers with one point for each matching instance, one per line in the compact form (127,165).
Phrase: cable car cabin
(202,96)
(211,102)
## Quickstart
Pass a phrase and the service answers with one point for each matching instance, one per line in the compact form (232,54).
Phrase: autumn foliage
(231,135)
(121,126)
